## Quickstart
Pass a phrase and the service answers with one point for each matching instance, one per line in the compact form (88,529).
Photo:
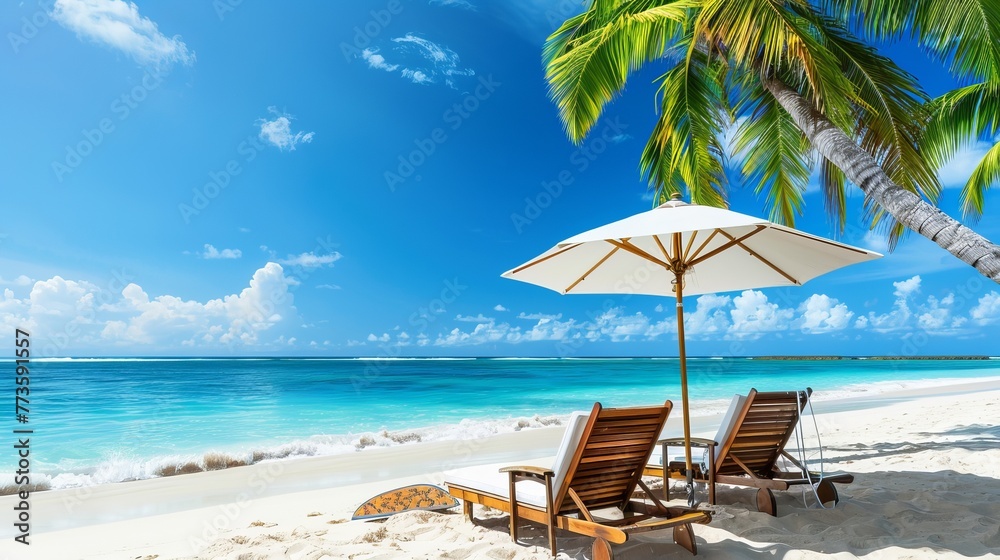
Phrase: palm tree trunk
(906,207)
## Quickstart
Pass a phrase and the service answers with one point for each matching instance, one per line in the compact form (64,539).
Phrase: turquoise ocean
(98,421)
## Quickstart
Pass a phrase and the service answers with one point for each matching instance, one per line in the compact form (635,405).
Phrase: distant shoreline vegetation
(407,358)
(871,358)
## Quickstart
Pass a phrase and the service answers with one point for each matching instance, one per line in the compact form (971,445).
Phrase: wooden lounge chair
(598,467)
(750,442)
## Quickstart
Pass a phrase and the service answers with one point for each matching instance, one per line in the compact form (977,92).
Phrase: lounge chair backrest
(761,427)
(575,427)
(613,449)
(729,420)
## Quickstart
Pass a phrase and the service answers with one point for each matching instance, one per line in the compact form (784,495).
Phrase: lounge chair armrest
(540,475)
(528,470)
(695,442)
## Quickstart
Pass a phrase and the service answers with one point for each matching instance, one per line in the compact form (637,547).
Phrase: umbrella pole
(682,356)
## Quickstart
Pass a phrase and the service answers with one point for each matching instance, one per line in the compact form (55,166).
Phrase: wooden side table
(675,470)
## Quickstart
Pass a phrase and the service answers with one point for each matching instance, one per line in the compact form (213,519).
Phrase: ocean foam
(122,467)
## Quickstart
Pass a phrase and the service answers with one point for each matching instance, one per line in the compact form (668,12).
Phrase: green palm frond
(889,114)
(986,175)
(966,32)
(833,183)
(877,19)
(558,42)
(589,58)
(890,111)
(885,224)
(684,144)
(776,155)
(766,37)
(960,118)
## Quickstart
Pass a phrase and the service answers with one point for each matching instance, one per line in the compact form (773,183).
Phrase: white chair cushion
(490,480)
(729,420)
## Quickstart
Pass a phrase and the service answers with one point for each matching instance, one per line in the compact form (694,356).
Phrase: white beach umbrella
(679,248)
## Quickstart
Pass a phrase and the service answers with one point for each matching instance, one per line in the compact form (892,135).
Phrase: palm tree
(797,84)
(966,35)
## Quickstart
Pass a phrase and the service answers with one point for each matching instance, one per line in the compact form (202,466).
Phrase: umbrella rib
(821,240)
(545,258)
(666,254)
(701,247)
(725,246)
(687,250)
(753,254)
(593,268)
(722,247)
(624,244)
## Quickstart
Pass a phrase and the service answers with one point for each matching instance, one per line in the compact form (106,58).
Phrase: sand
(927,485)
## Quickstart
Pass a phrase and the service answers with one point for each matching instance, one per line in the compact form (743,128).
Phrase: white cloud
(709,317)
(538,316)
(311,260)
(377,61)
(906,288)
(987,311)
(935,316)
(429,49)
(821,314)
(237,319)
(383,338)
(60,297)
(750,315)
(463,4)
(21,280)
(278,132)
(117,24)
(212,253)
(956,172)
(477,319)
(419,60)
(499,307)
(417,76)
(621,328)
(79,316)
(753,315)
(328,287)
(547,327)
(900,315)
(876,241)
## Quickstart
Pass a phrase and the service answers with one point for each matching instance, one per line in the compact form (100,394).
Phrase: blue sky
(351,178)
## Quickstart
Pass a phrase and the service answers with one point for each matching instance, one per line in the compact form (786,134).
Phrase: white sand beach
(927,484)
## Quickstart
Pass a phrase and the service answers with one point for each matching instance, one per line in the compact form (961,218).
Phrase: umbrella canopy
(714,250)
(679,248)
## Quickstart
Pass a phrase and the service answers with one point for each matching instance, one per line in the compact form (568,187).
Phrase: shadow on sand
(919,514)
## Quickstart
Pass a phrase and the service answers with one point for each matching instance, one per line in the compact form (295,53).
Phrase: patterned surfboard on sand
(425,497)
